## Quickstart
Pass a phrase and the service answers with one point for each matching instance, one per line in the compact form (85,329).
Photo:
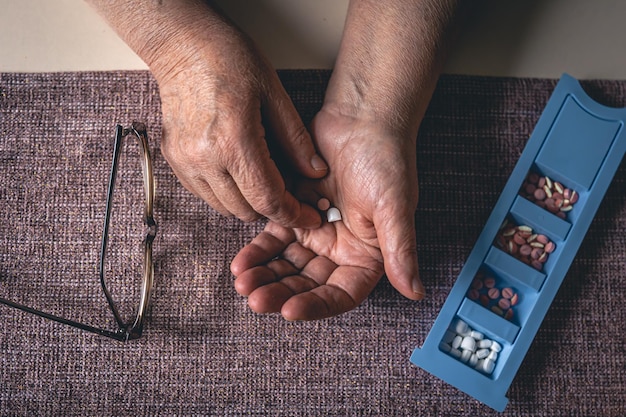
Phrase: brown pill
(493,293)
(504,304)
(507,293)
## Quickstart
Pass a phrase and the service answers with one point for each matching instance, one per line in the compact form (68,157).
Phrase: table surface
(530,39)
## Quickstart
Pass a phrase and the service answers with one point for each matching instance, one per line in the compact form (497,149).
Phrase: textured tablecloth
(204,352)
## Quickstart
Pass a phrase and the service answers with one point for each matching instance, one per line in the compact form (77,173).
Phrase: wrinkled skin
(313,274)
(223,109)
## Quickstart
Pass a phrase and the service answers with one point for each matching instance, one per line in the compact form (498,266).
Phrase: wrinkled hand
(318,273)
(224,109)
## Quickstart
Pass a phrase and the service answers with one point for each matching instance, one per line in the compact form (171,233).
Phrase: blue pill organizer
(579,143)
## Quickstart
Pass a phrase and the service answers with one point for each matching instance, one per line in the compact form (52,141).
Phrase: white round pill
(444,347)
(484,344)
(466,355)
(482,353)
(477,335)
(473,360)
(469,344)
(493,355)
(460,327)
(333,215)
(456,343)
(488,366)
(495,346)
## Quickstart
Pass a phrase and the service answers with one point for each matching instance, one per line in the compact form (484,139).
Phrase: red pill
(525,250)
(507,293)
(473,294)
(484,300)
(509,314)
(539,194)
(504,304)
(477,284)
(493,293)
(519,239)
(549,248)
(541,182)
(514,299)
(489,282)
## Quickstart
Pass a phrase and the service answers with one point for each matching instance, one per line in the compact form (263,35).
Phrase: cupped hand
(318,273)
(226,118)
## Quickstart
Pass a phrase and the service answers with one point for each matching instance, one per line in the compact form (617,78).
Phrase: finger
(203,190)
(345,289)
(230,197)
(291,134)
(262,186)
(271,296)
(398,244)
(267,245)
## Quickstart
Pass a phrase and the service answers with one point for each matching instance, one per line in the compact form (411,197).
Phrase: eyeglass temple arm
(117,149)
(120,335)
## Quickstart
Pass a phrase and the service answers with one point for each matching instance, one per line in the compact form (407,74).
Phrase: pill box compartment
(542,243)
(499,347)
(569,201)
(511,299)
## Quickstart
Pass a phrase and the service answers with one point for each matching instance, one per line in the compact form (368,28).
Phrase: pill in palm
(323,204)
(333,215)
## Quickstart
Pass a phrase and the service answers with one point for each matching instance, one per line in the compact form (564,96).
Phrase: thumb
(291,134)
(398,244)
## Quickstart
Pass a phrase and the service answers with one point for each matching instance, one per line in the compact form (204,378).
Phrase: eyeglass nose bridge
(150,230)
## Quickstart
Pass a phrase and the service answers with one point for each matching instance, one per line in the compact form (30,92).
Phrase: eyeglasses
(131,329)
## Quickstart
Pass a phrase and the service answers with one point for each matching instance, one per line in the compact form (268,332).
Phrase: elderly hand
(312,274)
(223,111)
(226,116)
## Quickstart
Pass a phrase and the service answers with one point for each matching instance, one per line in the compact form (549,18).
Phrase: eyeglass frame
(134,328)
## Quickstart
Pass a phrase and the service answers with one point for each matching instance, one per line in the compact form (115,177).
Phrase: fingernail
(318,163)
(418,288)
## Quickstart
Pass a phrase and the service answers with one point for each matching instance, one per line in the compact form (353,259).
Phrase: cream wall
(514,38)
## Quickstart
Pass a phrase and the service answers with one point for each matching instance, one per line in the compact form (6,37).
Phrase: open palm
(315,273)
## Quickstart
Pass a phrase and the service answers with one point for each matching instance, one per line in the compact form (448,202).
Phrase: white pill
(460,327)
(469,344)
(477,335)
(488,366)
(466,355)
(484,344)
(493,355)
(456,343)
(444,347)
(482,353)
(473,360)
(333,215)
(456,353)
(449,336)
(495,346)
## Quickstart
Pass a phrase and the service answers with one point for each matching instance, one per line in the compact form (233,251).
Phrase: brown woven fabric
(204,352)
